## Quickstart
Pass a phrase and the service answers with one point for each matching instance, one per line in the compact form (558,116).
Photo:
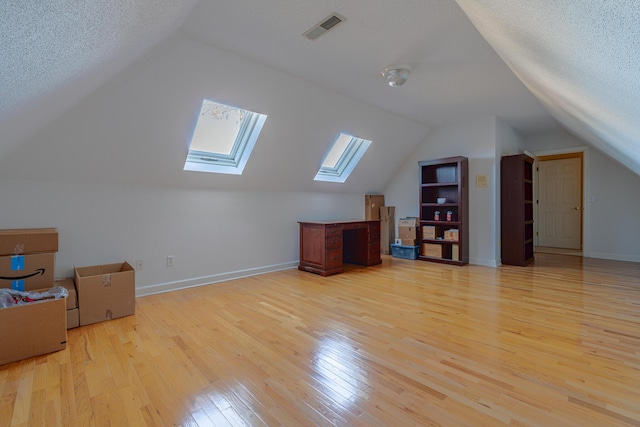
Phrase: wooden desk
(325,246)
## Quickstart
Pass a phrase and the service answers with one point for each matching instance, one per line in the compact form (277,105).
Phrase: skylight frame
(346,163)
(234,162)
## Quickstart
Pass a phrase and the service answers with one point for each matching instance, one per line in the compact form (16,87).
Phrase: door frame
(560,153)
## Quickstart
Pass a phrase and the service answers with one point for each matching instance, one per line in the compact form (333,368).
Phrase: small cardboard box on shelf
(432,250)
(428,232)
(451,235)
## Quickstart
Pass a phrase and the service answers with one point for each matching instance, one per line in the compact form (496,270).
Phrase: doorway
(560,203)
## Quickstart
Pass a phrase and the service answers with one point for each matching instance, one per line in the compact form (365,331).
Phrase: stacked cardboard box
(372,203)
(408,231)
(73,314)
(27,260)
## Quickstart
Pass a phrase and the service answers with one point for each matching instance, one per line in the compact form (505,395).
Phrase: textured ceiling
(53,54)
(579,59)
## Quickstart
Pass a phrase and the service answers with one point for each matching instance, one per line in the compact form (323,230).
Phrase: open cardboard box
(105,292)
(32,329)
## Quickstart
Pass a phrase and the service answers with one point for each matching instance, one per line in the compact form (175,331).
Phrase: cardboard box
(432,250)
(27,272)
(73,318)
(408,222)
(32,330)
(406,233)
(408,242)
(372,205)
(428,232)
(387,228)
(451,235)
(72,299)
(105,292)
(22,241)
(404,251)
(455,253)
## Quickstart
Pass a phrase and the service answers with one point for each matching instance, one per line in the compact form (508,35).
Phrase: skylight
(342,159)
(223,138)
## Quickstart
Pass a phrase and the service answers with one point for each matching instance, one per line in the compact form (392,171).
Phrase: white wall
(477,141)
(213,235)
(109,172)
(137,129)
(612,202)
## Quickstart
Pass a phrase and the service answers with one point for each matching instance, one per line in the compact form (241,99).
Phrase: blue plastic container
(403,251)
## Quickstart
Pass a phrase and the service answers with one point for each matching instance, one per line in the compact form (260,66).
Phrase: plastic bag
(11,297)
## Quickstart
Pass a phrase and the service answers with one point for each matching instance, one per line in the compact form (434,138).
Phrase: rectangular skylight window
(223,138)
(343,157)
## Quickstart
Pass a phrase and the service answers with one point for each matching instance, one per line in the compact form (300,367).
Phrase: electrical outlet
(139,265)
(170,261)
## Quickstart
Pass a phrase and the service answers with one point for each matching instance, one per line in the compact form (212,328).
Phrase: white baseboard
(484,262)
(215,278)
(614,257)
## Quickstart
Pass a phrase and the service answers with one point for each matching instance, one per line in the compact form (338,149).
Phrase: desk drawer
(374,252)
(374,228)
(333,242)
(333,258)
(335,230)
(374,238)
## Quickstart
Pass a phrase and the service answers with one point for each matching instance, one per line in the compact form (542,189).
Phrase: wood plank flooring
(406,343)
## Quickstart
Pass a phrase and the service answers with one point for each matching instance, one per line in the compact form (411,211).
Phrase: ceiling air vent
(325,25)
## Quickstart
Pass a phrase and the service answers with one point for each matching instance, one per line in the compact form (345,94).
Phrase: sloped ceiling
(580,59)
(56,56)
(53,54)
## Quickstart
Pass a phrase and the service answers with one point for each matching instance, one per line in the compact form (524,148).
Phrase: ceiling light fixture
(396,75)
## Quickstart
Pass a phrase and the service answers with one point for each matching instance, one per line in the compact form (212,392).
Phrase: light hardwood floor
(406,343)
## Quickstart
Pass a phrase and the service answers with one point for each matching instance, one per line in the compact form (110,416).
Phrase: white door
(559,203)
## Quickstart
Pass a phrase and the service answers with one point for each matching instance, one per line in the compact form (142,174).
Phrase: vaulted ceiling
(536,65)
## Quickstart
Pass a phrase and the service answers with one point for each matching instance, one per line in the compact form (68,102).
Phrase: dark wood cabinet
(516,209)
(444,210)
(326,246)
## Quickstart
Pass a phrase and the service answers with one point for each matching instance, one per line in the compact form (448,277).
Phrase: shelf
(440,241)
(444,178)
(441,260)
(440,184)
(443,223)
(516,201)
